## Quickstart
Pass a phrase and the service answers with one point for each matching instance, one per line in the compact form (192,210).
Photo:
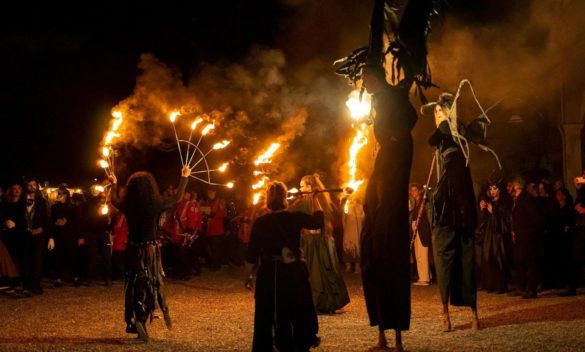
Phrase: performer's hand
(490,207)
(10,224)
(185,171)
(51,244)
(37,231)
(482,204)
(80,242)
(113,179)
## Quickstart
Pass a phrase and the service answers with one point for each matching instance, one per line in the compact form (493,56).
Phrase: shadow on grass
(565,311)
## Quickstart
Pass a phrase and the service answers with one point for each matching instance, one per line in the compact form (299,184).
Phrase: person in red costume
(215,232)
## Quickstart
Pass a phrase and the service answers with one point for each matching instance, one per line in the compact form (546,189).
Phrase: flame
(293,190)
(229,185)
(359,141)
(106,151)
(99,188)
(260,183)
(103,164)
(110,136)
(104,209)
(265,157)
(221,145)
(256,199)
(359,109)
(207,129)
(258,173)
(173,116)
(346,207)
(223,167)
(195,123)
(117,122)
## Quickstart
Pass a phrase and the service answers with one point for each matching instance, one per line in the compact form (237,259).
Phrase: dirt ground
(213,312)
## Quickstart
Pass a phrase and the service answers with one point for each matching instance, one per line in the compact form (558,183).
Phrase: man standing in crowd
(96,232)
(38,226)
(577,242)
(525,225)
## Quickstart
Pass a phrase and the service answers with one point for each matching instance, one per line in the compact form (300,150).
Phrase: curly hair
(276,195)
(142,194)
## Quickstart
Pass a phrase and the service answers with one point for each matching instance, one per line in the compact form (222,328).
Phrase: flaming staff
(194,148)
(107,150)
(359,106)
(261,161)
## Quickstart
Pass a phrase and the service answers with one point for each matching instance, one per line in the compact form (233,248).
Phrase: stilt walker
(453,203)
(386,238)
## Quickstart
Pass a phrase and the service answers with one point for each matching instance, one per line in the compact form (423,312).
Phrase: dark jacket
(454,198)
(525,218)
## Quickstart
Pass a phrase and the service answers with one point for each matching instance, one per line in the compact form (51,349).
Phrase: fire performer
(142,205)
(283,300)
(327,284)
(454,215)
(385,240)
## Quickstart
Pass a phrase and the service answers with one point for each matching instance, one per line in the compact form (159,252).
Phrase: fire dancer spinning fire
(142,205)
(385,239)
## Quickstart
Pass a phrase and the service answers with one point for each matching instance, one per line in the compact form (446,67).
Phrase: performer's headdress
(406,23)
(475,131)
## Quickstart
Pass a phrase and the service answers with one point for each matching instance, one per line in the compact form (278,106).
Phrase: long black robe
(496,248)
(283,296)
(386,239)
(454,223)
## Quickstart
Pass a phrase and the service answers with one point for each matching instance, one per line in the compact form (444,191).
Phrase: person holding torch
(142,205)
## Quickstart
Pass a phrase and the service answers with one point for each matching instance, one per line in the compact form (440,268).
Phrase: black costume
(64,255)
(496,248)
(385,238)
(281,285)
(144,284)
(525,226)
(454,222)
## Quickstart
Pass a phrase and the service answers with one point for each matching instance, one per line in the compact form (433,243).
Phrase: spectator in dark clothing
(564,227)
(13,225)
(38,226)
(525,225)
(548,242)
(577,254)
(65,251)
(79,267)
(96,232)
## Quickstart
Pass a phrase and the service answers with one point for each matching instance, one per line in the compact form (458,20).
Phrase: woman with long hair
(284,313)
(327,284)
(142,205)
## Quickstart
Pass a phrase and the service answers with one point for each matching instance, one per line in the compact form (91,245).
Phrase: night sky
(64,67)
